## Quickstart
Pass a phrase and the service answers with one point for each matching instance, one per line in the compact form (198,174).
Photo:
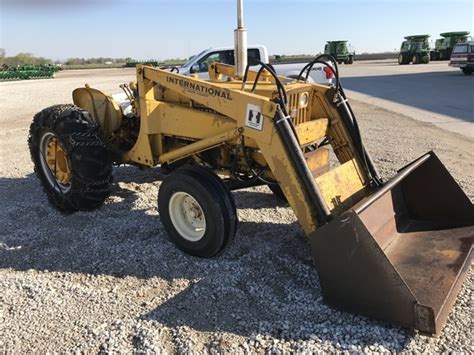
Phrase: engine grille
(298,114)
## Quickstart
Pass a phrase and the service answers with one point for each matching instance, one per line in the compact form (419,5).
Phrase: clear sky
(163,29)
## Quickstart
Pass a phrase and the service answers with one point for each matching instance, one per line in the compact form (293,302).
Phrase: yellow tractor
(397,250)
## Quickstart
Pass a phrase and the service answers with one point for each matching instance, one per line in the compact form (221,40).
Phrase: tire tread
(91,167)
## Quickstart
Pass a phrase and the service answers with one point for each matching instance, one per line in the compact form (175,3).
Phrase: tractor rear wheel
(70,157)
(402,59)
(198,211)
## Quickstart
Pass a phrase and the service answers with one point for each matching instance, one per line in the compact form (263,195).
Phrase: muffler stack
(240,39)
(401,254)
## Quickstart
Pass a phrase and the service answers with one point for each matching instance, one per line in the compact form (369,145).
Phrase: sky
(163,29)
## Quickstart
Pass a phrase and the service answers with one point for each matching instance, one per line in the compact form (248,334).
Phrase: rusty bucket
(401,254)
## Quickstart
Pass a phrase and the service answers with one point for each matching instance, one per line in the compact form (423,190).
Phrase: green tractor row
(25,72)
(415,49)
(340,51)
(444,46)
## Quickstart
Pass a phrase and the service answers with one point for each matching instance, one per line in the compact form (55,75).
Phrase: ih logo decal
(254,117)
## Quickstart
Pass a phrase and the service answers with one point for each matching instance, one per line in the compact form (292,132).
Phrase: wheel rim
(55,163)
(187,216)
(400,59)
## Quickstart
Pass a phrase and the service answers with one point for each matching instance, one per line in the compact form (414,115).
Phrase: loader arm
(234,106)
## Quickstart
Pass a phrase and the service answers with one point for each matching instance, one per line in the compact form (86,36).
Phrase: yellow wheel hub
(58,162)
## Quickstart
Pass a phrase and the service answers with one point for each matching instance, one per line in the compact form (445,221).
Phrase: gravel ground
(109,280)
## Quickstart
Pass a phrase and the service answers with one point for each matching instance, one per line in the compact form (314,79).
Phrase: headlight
(304,99)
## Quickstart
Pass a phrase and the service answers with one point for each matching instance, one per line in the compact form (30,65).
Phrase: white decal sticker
(254,117)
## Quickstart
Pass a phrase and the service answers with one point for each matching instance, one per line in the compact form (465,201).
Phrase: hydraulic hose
(283,99)
(348,117)
(319,60)
(283,125)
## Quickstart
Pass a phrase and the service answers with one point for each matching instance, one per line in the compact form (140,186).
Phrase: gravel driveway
(109,280)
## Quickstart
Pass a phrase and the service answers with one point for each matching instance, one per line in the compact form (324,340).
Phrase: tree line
(23,59)
(31,59)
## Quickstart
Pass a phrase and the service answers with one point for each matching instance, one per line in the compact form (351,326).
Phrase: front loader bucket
(402,254)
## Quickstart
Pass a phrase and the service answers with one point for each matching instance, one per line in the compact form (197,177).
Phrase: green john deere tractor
(415,49)
(340,51)
(444,46)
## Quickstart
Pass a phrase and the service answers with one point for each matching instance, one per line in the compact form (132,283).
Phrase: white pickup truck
(199,64)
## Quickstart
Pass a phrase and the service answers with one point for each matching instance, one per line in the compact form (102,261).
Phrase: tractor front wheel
(416,59)
(467,71)
(70,157)
(198,211)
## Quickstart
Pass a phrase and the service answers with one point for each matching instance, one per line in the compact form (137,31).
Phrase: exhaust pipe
(240,40)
